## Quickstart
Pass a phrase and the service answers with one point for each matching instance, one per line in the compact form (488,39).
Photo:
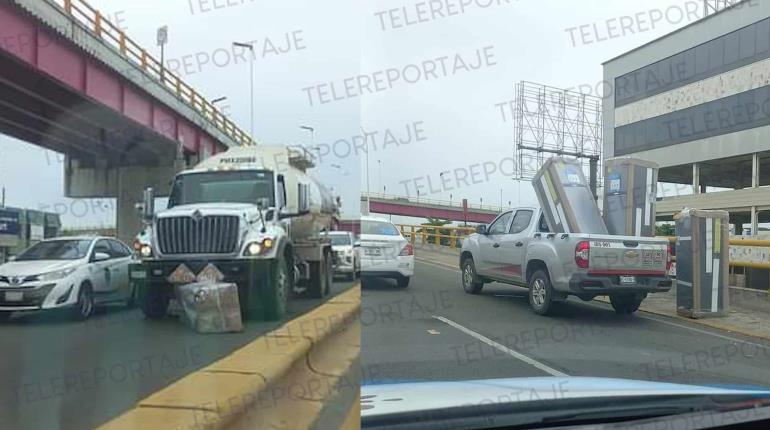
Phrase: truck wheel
(471,282)
(154,303)
(321,274)
(625,304)
(277,298)
(541,293)
(84,307)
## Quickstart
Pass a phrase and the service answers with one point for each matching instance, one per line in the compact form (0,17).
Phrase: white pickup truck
(517,248)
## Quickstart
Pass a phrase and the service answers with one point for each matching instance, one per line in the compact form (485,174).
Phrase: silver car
(518,248)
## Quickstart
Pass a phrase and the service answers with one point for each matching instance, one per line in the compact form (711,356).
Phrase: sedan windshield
(379,227)
(56,250)
(222,187)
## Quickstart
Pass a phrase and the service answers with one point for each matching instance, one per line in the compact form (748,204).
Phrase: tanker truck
(251,216)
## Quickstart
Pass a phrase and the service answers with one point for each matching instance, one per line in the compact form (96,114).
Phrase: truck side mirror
(481,229)
(148,203)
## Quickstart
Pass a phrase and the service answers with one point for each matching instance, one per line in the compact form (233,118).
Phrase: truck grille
(214,234)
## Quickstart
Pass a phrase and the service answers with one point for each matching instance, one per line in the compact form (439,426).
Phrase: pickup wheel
(403,281)
(541,293)
(471,282)
(625,304)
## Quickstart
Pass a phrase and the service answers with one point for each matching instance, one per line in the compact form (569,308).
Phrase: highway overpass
(72,82)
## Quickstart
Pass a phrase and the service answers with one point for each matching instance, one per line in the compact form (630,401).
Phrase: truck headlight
(258,248)
(53,276)
(145,251)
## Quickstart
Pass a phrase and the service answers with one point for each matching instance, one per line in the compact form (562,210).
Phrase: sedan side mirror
(11,258)
(101,256)
(481,229)
(356,244)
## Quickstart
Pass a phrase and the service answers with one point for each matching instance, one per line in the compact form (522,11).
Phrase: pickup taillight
(407,250)
(582,252)
(669,251)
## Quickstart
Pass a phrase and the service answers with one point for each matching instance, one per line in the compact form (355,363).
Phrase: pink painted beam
(48,53)
(428,212)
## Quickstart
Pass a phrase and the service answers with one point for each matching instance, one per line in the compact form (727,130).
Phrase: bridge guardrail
(94,21)
(453,204)
(431,234)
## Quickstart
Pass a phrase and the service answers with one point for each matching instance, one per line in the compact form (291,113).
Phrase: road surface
(434,331)
(57,373)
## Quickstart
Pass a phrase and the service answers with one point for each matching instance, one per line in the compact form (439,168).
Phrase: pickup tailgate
(627,255)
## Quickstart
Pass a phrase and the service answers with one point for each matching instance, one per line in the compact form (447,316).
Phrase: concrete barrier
(280,380)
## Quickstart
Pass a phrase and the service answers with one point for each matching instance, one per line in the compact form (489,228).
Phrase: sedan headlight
(53,276)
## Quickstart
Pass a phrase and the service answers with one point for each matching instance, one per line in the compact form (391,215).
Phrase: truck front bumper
(251,276)
(599,285)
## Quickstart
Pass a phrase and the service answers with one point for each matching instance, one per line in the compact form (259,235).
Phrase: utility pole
(250,47)
(162,37)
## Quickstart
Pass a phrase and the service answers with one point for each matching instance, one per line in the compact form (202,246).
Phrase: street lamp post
(250,47)
(162,40)
(312,136)
(379,173)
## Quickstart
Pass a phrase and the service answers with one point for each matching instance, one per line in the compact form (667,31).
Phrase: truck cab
(250,216)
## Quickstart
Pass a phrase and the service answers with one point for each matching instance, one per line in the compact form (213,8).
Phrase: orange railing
(431,234)
(93,20)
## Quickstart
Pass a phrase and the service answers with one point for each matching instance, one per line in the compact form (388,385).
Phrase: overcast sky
(425,81)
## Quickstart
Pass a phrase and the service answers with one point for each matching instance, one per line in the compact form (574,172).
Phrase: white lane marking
(493,344)
(439,265)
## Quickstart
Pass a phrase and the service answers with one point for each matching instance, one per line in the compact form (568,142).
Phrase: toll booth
(702,261)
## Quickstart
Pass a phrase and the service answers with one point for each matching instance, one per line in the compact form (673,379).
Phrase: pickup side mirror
(481,229)
(11,258)
(101,256)
(356,244)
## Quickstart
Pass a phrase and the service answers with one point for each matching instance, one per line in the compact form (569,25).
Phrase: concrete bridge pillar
(124,183)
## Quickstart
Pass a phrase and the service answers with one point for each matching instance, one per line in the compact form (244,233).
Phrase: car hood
(382,400)
(37,267)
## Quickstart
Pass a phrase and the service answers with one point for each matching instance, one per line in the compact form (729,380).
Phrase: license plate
(372,251)
(14,296)
(628,279)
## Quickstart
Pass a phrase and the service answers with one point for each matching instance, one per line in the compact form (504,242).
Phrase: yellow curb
(353,419)
(224,392)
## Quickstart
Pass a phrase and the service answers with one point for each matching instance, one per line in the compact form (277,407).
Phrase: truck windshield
(222,187)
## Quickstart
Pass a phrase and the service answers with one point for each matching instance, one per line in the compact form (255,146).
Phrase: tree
(430,228)
(665,229)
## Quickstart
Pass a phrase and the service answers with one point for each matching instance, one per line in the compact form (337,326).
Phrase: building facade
(21,228)
(697,102)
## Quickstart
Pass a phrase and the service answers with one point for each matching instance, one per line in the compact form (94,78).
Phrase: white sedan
(343,245)
(385,253)
(72,272)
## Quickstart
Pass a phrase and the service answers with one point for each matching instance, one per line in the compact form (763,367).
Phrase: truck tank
(322,205)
